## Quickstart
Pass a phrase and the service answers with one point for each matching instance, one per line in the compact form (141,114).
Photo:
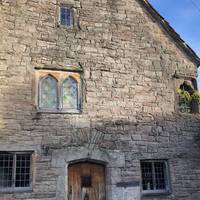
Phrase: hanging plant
(196,96)
(184,95)
(187,99)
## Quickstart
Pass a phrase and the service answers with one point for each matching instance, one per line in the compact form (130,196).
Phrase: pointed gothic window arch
(58,91)
(48,98)
(70,94)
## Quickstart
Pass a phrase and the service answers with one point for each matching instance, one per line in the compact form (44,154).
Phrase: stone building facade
(128,63)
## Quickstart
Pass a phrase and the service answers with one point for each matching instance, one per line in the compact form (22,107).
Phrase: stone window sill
(72,28)
(155,193)
(188,114)
(16,190)
(59,111)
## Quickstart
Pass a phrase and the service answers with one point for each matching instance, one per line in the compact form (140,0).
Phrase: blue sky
(184,17)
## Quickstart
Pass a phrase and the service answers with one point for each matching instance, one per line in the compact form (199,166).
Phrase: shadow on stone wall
(171,136)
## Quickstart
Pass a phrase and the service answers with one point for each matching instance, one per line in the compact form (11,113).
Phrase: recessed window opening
(59,91)
(15,170)
(66,16)
(189,97)
(155,176)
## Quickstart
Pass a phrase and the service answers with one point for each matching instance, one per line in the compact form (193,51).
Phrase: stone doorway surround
(113,161)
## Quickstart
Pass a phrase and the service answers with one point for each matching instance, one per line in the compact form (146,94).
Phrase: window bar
(31,171)
(153,175)
(39,93)
(78,96)
(80,93)
(59,92)
(14,170)
(166,174)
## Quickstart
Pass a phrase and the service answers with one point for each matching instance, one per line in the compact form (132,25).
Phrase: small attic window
(188,97)
(66,16)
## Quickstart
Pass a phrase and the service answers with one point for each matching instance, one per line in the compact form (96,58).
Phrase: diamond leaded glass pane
(70,93)
(48,93)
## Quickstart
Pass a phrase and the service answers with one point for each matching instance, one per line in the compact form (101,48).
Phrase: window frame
(72,18)
(40,93)
(60,76)
(167,179)
(13,188)
(61,96)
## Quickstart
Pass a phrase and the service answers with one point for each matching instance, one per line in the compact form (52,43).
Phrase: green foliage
(196,96)
(184,95)
(187,98)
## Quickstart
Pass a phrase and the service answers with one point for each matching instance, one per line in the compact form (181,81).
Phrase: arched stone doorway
(86,181)
(113,162)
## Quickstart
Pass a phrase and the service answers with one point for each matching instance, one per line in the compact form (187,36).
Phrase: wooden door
(86,181)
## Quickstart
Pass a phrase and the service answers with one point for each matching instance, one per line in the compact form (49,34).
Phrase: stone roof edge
(175,36)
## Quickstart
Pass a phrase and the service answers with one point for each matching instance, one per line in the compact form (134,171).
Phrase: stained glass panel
(48,93)
(70,94)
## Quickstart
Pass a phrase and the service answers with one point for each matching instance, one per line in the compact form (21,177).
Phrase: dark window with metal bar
(66,16)
(155,176)
(15,170)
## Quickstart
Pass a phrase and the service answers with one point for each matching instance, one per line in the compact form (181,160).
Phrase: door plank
(97,189)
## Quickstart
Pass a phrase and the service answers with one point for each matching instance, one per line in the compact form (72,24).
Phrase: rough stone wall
(128,65)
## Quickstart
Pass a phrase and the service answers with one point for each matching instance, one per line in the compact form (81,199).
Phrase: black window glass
(154,175)
(6,167)
(22,170)
(14,170)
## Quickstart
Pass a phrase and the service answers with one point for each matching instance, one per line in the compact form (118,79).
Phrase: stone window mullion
(154,176)
(67,95)
(59,96)
(14,171)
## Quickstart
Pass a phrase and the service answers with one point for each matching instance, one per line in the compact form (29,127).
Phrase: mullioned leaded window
(59,91)
(15,170)
(155,176)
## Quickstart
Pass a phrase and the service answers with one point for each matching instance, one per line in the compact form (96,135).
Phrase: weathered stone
(128,106)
